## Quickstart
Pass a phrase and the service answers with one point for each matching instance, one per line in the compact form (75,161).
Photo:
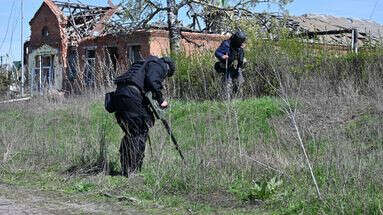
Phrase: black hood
(238,39)
(171,66)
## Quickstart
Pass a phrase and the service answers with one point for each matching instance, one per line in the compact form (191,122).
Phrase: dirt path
(17,201)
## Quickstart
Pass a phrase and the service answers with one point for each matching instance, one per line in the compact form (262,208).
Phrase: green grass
(212,136)
(68,138)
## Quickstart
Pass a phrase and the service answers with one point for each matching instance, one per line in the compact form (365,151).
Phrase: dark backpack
(220,67)
(137,66)
(121,80)
(109,102)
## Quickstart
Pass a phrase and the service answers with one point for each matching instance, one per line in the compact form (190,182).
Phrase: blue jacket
(223,49)
(234,53)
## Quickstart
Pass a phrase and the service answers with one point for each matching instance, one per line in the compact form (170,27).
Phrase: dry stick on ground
(291,113)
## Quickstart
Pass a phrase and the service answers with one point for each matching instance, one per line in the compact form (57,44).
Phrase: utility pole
(22,48)
(354,42)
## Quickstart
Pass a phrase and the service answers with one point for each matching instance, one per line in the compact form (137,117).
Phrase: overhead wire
(9,20)
(12,34)
(373,9)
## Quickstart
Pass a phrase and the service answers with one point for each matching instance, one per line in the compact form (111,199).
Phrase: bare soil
(16,200)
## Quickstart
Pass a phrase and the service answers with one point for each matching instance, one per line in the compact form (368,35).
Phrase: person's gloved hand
(164,104)
(245,62)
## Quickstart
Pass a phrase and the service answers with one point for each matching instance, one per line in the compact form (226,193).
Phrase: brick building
(69,46)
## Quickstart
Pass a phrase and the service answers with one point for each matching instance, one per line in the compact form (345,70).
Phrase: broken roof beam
(312,34)
(73,21)
(88,16)
(79,6)
(90,13)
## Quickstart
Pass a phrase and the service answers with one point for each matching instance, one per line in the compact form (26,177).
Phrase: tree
(138,14)
(174,30)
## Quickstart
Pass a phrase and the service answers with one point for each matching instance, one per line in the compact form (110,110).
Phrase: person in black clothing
(132,110)
(231,61)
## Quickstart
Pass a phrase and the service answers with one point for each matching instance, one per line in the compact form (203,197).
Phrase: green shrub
(251,190)
(272,62)
(81,187)
(5,82)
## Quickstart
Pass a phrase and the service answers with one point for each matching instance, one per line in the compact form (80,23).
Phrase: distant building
(329,32)
(69,44)
(369,31)
(16,65)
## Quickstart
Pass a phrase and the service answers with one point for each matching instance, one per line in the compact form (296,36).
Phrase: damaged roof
(368,30)
(78,20)
(325,29)
(84,20)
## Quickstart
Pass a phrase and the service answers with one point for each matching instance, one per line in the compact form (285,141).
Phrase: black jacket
(146,76)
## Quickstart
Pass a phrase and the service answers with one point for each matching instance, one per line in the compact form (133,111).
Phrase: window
(111,60)
(45,31)
(45,78)
(112,57)
(72,64)
(90,63)
(91,54)
(134,53)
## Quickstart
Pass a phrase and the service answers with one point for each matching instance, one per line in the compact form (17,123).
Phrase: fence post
(354,42)
(32,78)
(40,75)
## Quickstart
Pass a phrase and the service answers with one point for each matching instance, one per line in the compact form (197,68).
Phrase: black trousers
(132,153)
(135,118)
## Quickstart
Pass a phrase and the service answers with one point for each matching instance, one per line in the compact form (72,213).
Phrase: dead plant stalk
(291,112)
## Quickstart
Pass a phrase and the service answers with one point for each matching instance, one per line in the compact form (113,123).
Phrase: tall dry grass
(240,152)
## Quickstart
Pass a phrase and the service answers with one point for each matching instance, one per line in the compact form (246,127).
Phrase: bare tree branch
(212,13)
(191,41)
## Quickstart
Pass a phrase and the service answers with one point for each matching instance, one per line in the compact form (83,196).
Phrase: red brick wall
(154,42)
(121,42)
(194,42)
(45,17)
(151,42)
(100,45)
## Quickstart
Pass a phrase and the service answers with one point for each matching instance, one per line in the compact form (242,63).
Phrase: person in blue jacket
(231,61)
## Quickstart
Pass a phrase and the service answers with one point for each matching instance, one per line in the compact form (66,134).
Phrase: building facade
(67,52)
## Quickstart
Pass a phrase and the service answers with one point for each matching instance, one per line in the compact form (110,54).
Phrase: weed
(233,149)
(81,187)
(251,190)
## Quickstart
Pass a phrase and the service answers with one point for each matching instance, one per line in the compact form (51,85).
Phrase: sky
(10,23)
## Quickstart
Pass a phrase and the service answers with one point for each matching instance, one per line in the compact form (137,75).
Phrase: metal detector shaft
(168,128)
(165,123)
